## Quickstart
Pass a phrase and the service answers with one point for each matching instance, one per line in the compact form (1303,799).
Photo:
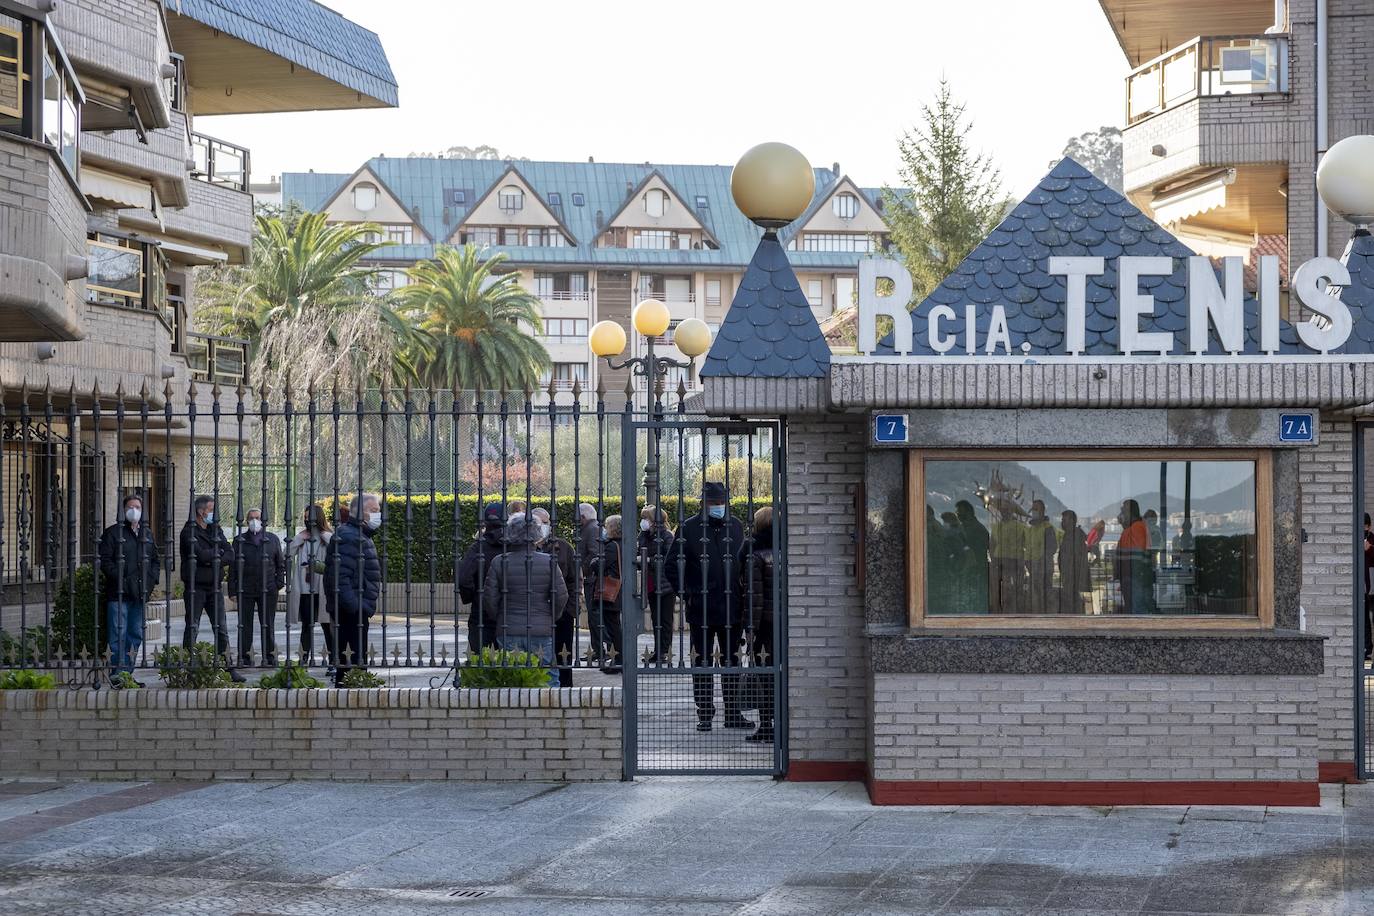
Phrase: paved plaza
(696,847)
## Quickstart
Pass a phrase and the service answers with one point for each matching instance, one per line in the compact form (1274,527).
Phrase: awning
(117,189)
(1173,205)
(190,254)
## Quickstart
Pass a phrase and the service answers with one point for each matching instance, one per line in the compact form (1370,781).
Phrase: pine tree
(952,198)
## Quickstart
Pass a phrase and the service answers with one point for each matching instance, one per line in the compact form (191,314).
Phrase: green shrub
(31,645)
(76,624)
(504,668)
(198,669)
(394,546)
(125,681)
(289,676)
(361,679)
(25,679)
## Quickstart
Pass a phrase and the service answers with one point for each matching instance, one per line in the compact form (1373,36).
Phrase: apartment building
(591,239)
(1228,111)
(109,197)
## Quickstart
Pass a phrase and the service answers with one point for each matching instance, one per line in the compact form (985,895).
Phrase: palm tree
(477,325)
(306,304)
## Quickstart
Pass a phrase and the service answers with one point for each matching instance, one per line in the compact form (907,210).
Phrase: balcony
(219,162)
(217,360)
(565,295)
(1227,65)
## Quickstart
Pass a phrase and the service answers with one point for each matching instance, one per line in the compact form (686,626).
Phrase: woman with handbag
(603,617)
(305,556)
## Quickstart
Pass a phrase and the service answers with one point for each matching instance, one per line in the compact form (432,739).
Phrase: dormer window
(655,202)
(511,199)
(364,197)
(846,205)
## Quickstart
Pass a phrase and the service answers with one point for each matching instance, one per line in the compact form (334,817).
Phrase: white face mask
(374,520)
(544,531)
(254,525)
(644,524)
(133,515)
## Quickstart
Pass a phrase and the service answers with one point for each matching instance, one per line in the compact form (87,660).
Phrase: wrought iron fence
(442,591)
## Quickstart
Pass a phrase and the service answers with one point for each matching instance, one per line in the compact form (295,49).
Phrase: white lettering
(940,343)
(997,331)
(970,329)
(1269,302)
(1207,303)
(871,305)
(1134,304)
(1333,331)
(1076,271)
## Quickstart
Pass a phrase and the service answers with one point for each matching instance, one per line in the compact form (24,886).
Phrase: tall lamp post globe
(772,184)
(1345,179)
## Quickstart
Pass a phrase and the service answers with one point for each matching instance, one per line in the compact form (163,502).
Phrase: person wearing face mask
(353,582)
(707,552)
(129,564)
(565,626)
(472,574)
(257,572)
(305,557)
(525,593)
(654,559)
(204,562)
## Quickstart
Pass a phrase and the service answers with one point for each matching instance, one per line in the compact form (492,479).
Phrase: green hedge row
(436,540)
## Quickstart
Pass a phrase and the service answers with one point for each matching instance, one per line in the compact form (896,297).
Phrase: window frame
(40,48)
(661,197)
(510,199)
(369,187)
(851,202)
(1263,619)
(23,67)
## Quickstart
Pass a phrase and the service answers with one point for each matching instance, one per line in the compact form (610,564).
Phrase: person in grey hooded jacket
(524,593)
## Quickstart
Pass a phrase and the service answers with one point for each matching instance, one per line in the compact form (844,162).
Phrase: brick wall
(1326,475)
(393,734)
(827,652)
(1024,727)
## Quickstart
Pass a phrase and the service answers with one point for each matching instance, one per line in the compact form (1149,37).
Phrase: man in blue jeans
(129,565)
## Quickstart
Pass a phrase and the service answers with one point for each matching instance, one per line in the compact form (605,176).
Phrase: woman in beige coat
(305,559)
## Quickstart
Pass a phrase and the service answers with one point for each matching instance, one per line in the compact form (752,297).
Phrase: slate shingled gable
(770,330)
(1072,213)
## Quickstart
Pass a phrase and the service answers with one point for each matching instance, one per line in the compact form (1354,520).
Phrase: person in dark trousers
(353,582)
(655,561)
(607,598)
(204,562)
(257,572)
(757,586)
(306,559)
(708,547)
(525,592)
(565,626)
(1075,579)
(129,564)
(472,573)
(588,553)
(1368,593)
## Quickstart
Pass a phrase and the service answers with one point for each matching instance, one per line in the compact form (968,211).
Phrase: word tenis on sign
(1212,306)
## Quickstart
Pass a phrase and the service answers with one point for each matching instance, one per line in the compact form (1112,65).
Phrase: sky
(703,81)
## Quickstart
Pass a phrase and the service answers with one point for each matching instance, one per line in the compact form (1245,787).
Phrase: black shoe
(236,677)
(762,736)
(737,721)
(612,669)
(703,724)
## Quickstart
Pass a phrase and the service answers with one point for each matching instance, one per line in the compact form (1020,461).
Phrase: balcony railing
(1208,66)
(566,295)
(222,360)
(218,162)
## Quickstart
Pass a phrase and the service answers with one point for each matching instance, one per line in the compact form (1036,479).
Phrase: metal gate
(1363,671)
(705,629)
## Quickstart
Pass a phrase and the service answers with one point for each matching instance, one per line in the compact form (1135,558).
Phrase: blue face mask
(716,512)
(209,518)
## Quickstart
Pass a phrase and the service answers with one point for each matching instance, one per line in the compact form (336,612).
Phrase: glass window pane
(70,127)
(115,269)
(1081,537)
(11,102)
(52,102)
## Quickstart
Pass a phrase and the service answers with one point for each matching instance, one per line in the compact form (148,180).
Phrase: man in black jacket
(257,572)
(129,564)
(472,575)
(565,627)
(353,581)
(204,561)
(709,545)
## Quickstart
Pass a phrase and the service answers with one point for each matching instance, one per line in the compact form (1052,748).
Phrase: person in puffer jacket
(524,593)
(353,581)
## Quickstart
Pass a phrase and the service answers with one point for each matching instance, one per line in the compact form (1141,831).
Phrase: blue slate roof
(770,330)
(306,33)
(1072,213)
(422,186)
(1359,295)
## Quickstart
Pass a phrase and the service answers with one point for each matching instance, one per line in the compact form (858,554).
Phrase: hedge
(392,539)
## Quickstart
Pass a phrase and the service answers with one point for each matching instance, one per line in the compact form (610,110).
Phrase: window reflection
(1090,537)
